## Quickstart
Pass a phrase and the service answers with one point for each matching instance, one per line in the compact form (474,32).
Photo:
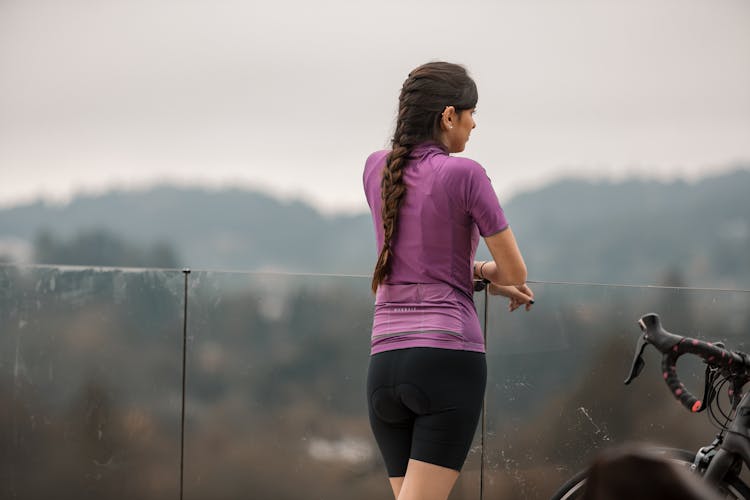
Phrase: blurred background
(232,135)
(230,138)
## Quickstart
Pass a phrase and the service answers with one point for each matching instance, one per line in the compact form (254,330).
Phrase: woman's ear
(447,118)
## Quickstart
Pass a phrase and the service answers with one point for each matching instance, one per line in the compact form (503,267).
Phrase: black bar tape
(709,352)
(676,387)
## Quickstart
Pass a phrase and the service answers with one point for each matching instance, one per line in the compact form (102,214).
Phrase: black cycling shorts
(424,403)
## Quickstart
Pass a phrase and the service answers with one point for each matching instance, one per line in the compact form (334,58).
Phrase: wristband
(481,273)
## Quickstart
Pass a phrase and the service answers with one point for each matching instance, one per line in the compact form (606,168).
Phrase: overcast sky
(291,96)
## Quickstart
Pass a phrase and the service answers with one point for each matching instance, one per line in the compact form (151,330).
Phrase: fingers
(518,296)
(514,304)
(526,290)
(523,296)
(529,293)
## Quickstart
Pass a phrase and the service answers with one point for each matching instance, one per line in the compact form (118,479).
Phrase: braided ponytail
(424,95)
(393,190)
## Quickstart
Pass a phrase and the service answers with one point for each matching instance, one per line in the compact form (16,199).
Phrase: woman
(427,371)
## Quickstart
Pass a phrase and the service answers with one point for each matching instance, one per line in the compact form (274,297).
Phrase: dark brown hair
(633,471)
(424,96)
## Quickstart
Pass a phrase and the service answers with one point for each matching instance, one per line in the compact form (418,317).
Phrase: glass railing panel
(469,484)
(276,405)
(90,383)
(90,380)
(556,396)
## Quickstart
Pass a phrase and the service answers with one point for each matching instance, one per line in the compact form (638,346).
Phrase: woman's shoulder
(374,166)
(460,165)
(377,157)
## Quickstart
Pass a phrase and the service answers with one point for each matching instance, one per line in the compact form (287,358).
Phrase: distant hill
(229,229)
(638,232)
(633,232)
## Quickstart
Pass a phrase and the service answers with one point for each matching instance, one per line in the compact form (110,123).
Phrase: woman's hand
(518,295)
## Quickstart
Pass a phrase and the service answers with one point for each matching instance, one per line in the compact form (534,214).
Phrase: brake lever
(638,363)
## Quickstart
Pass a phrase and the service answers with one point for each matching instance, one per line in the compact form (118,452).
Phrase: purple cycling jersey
(427,299)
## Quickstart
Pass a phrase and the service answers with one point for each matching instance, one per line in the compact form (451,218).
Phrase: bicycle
(720,462)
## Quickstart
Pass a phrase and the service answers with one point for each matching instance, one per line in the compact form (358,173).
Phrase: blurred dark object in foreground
(629,472)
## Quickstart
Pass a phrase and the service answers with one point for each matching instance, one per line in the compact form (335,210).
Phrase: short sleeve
(371,177)
(482,203)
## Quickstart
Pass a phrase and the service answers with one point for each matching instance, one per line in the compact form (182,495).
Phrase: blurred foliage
(90,360)
(101,247)
(221,229)
(91,374)
(635,231)
(574,230)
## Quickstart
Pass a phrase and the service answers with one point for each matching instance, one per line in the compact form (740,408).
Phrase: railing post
(484,400)
(186,273)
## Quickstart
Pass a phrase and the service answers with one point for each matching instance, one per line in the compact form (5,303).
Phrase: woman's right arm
(507,266)
(509,277)
(507,270)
